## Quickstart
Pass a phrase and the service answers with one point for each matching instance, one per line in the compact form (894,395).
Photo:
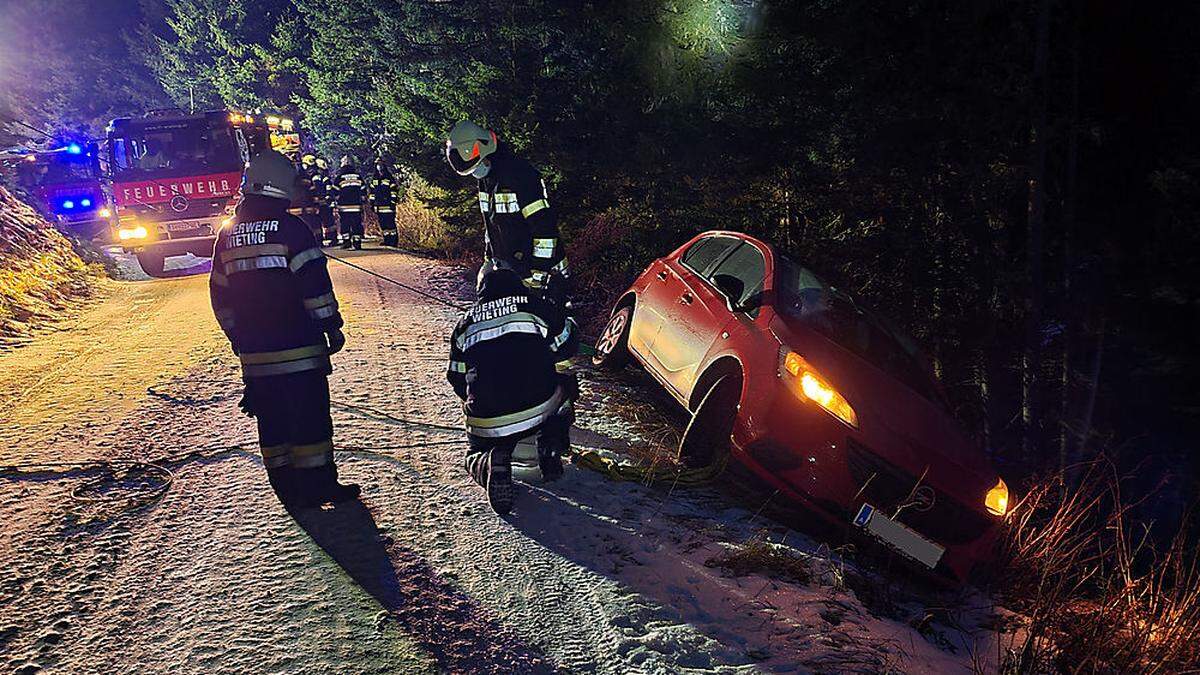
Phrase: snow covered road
(588,575)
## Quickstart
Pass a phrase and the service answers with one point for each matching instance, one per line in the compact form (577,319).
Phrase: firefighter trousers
(387,225)
(553,441)
(352,226)
(328,225)
(295,429)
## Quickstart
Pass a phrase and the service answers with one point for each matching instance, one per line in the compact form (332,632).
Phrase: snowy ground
(587,575)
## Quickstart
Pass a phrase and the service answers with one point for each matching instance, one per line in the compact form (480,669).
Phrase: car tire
(152,262)
(707,437)
(612,349)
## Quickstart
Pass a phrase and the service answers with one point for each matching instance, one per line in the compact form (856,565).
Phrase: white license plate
(182,225)
(897,536)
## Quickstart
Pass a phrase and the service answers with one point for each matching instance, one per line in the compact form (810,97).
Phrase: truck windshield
(174,149)
(804,298)
(55,172)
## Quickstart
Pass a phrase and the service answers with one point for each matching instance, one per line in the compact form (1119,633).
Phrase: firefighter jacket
(348,190)
(382,192)
(520,227)
(271,292)
(320,186)
(306,198)
(502,356)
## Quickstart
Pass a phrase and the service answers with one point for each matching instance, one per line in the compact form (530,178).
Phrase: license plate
(898,537)
(185,225)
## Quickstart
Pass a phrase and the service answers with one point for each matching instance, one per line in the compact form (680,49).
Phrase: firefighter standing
(348,197)
(519,225)
(382,194)
(502,356)
(273,298)
(324,206)
(306,205)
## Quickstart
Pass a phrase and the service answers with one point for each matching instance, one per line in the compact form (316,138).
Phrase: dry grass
(759,556)
(41,275)
(1095,594)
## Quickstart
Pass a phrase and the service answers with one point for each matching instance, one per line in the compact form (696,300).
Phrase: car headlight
(137,232)
(996,500)
(808,384)
(104,212)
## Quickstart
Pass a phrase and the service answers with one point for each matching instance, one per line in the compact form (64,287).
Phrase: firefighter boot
(500,491)
(284,482)
(492,470)
(327,489)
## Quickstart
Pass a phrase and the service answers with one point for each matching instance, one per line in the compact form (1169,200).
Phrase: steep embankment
(41,275)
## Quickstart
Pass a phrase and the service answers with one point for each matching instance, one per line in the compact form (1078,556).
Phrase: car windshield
(54,172)
(803,297)
(174,148)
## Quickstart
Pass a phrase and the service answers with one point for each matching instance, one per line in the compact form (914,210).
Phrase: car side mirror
(732,288)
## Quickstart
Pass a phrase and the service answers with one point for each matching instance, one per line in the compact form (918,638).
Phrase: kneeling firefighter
(502,356)
(273,298)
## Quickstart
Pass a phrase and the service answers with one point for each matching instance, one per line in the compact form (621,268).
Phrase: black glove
(249,399)
(336,340)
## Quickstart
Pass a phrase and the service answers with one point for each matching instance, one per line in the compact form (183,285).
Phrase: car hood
(896,422)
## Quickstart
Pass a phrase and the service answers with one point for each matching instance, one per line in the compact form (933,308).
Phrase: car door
(695,317)
(657,302)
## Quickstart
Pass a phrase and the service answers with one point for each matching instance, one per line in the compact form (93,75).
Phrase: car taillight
(996,500)
(808,384)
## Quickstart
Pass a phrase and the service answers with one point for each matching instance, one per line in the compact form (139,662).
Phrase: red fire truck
(65,184)
(175,178)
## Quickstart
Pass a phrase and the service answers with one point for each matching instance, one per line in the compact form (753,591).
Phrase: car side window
(740,276)
(705,253)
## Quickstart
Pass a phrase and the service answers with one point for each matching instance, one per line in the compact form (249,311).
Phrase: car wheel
(612,349)
(152,262)
(707,436)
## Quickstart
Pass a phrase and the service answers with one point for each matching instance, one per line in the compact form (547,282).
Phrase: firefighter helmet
(322,164)
(468,145)
(270,174)
(492,267)
(308,159)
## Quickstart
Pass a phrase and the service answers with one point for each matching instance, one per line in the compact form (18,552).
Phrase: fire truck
(175,177)
(66,185)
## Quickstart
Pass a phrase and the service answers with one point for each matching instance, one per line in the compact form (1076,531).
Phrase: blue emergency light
(68,204)
(74,149)
(85,202)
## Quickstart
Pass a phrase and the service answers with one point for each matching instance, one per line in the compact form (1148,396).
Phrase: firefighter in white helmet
(519,224)
(274,300)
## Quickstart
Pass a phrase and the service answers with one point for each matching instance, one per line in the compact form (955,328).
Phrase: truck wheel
(707,435)
(152,262)
(612,349)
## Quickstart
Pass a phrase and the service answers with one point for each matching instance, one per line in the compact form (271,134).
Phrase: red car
(818,397)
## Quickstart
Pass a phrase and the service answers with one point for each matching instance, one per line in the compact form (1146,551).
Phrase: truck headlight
(808,384)
(137,232)
(996,500)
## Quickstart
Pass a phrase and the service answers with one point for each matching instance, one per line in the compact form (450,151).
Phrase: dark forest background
(1013,181)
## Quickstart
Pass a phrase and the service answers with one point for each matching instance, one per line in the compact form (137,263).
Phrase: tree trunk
(1032,362)
(1066,454)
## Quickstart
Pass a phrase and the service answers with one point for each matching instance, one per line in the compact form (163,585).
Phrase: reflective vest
(502,356)
(271,292)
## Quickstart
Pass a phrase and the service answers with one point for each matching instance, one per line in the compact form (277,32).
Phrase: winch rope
(588,458)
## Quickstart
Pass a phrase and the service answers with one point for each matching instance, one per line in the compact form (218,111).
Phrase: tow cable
(134,488)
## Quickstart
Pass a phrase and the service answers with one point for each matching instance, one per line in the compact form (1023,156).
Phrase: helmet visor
(463,159)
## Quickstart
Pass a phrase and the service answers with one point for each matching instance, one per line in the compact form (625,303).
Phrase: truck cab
(67,186)
(175,179)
